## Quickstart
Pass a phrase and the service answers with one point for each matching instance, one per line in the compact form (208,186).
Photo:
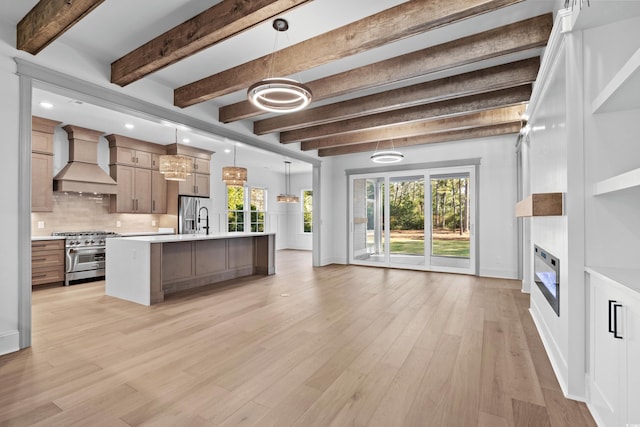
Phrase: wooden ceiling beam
(520,36)
(442,109)
(221,21)
(48,20)
(405,20)
(431,138)
(480,81)
(496,116)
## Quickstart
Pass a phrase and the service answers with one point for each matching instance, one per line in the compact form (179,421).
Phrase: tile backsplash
(84,212)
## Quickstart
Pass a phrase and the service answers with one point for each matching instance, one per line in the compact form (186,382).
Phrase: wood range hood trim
(82,174)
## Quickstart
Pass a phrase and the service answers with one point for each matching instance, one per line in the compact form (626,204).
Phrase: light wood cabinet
(134,189)
(196,185)
(134,165)
(158,193)
(41,182)
(131,157)
(42,164)
(202,166)
(47,261)
(614,373)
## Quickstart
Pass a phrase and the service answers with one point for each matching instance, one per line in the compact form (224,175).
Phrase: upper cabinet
(133,164)
(42,164)
(198,183)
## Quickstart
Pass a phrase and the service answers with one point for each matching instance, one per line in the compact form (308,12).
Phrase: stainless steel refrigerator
(188,207)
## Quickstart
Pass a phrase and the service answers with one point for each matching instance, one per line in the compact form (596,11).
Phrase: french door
(422,219)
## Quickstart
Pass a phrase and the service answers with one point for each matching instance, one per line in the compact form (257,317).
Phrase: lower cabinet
(47,261)
(614,372)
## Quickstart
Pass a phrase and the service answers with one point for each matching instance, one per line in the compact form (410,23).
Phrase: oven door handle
(90,250)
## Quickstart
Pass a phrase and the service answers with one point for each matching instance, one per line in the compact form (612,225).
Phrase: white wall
(281,217)
(497,197)
(297,239)
(9,103)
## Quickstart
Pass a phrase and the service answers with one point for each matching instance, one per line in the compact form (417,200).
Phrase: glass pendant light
(175,167)
(287,197)
(234,176)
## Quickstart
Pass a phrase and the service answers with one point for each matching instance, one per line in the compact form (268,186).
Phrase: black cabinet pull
(615,321)
(611,302)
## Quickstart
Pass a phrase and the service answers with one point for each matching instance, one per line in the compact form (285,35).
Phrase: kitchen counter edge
(190,237)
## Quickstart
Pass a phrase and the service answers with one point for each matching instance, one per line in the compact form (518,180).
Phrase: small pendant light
(287,197)
(234,176)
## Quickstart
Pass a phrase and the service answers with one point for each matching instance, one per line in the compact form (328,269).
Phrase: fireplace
(546,270)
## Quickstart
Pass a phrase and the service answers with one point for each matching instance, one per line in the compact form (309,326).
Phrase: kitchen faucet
(206,226)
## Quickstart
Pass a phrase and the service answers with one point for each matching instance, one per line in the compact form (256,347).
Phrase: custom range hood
(82,174)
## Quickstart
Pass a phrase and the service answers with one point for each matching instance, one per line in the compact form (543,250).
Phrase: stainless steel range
(85,254)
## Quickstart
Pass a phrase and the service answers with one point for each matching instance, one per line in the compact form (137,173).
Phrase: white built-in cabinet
(614,348)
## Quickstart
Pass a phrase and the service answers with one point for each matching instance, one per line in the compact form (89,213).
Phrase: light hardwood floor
(331,346)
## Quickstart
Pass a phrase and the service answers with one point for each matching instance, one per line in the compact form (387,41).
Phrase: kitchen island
(143,269)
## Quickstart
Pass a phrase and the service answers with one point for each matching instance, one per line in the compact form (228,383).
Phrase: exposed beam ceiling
(475,82)
(448,108)
(48,20)
(225,19)
(463,68)
(405,20)
(483,118)
(430,138)
(520,36)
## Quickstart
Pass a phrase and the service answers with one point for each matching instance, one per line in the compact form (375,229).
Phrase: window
(237,198)
(258,209)
(235,208)
(307,208)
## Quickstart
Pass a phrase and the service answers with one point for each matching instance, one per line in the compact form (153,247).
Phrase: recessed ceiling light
(186,140)
(227,150)
(47,105)
(129,126)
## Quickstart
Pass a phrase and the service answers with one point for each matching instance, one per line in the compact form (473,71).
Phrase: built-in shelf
(597,13)
(627,277)
(623,181)
(623,91)
(540,204)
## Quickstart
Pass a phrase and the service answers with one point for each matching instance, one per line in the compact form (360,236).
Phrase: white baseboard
(498,274)
(558,363)
(332,260)
(9,342)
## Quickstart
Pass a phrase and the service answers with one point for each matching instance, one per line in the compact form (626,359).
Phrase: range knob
(71,243)
(93,241)
(101,242)
(86,242)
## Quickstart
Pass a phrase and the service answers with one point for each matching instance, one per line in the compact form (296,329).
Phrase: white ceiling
(118,26)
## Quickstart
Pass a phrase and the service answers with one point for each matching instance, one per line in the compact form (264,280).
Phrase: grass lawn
(457,248)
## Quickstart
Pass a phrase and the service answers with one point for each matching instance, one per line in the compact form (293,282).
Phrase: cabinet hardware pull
(611,302)
(133,204)
(38,276)
(615,321)
(38,259)
(153,205)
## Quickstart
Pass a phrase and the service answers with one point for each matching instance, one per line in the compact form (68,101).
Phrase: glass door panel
(368,227)
(451,220)
(406,220)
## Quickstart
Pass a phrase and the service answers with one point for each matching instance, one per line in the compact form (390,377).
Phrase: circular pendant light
(389,156)
(279,94)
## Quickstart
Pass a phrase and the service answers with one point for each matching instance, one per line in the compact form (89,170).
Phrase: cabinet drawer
(48,259)
(41,276)
(47,245)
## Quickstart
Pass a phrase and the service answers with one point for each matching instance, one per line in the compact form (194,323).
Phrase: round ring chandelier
(279,94)
(387,156)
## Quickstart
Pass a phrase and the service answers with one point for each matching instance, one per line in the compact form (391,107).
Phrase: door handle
(611,302)
(615,321)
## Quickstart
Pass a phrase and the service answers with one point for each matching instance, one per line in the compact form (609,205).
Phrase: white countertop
(190,237)
(33,238)
(146,233)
